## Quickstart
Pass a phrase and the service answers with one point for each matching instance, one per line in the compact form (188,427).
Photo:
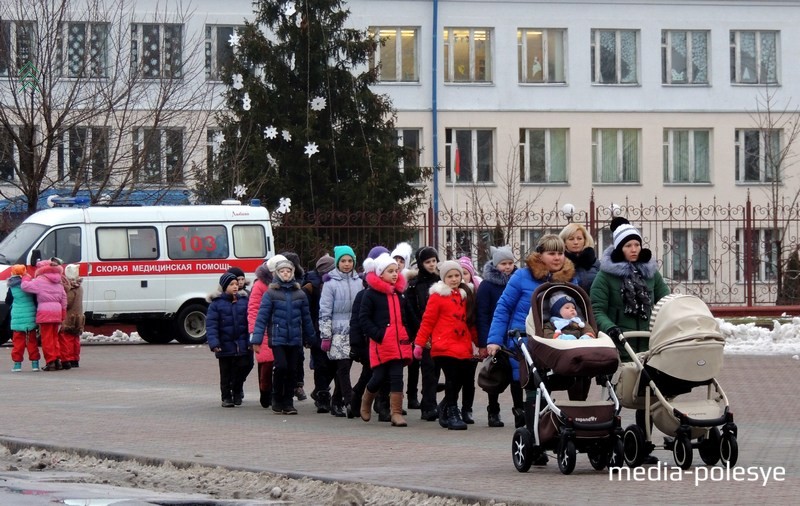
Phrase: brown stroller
(569,426)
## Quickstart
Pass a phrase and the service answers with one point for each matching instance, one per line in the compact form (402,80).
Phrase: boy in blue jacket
(285,317)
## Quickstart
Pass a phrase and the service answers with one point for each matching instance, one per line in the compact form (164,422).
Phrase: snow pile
(748,339)
(117,336)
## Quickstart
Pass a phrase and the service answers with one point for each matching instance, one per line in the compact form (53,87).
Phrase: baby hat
(325,264)
(380,264)
(226,279)
(622,231)
(449,265)
(403,250)
(72,271)
(500,254)
(557,301)
(340,251)
(466,264)
(273,262)
(18,270)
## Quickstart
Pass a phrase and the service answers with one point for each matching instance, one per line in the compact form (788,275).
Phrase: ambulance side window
(197,242)
(64,243)
(127,243)
(249,241)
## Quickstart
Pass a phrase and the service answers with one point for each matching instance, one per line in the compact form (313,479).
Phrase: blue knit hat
(340,251)
(226,279)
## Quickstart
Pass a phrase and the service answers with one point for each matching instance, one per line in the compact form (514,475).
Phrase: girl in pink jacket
(51,309)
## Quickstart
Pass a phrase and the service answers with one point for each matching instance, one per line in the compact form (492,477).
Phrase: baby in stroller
(576,425)
(565,323)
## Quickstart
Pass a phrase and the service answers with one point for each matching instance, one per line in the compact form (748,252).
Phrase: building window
(212,153)
(540,55)
(686,254)
(543,155)
(758,155)
(156,50)
(86,48)
(529,237)
(127,243)
(686,156)
(684,57)
(219,52)
(158,155)
(615,155)
(396,55)
(754,57)
(763,254)
(469,155)
(469,243)
(410,140)
(16,45)
(614,57)
(8,156)
(467,55)
(83,154)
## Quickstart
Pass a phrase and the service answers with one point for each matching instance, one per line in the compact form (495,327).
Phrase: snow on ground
(745,339)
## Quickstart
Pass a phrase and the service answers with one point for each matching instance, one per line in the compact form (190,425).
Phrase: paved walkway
(162,402)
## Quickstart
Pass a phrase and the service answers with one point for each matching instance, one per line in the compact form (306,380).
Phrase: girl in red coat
(382,320)
(448,329)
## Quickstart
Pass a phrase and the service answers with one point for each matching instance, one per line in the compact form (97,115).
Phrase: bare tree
(97,99)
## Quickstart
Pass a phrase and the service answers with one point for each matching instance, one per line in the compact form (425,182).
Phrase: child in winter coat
(50,310)
(338,294)
(284,315)
(448,329)
(226,329)
(23,321)
(264,358)
(72,328)
(382,320)
(564,323)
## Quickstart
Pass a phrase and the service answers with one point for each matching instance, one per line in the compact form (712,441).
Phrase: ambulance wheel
(191,324)
(633,442)
(728,450)
(154,332)
(567,457)
(709,448)
(682,452)
(522,449)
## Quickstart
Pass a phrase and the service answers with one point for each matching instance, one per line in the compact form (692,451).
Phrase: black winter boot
(466,415)
(413,401)
(266,399)
(494,415)
(454,421)
(443,415)
(322,400)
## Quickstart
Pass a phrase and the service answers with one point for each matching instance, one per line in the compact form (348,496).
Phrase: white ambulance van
(152,266)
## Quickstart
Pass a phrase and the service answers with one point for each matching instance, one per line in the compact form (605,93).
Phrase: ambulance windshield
(18,243)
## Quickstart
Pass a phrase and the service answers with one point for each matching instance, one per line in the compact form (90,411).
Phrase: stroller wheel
(617,456)
(599,457)
(634,446)
(522,449)
(709,448)
(682,452)
(729,450)
(566,457)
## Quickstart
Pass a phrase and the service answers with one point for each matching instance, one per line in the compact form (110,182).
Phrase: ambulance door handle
(144,283)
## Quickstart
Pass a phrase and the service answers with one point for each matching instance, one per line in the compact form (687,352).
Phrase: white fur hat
(379,264)
(403,250)
(272,263)
(72,271)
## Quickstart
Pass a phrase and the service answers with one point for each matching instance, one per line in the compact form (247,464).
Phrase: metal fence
(732,254)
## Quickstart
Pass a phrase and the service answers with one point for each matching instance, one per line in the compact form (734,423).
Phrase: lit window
(541,55)
(467,55)
(396,55)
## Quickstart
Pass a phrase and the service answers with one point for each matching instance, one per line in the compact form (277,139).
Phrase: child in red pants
(51,309)
(23,321)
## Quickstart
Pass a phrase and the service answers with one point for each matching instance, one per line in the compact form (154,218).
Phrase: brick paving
(162,403)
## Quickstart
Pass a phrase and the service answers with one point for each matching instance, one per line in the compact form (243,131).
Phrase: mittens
(418,352)
(325,344)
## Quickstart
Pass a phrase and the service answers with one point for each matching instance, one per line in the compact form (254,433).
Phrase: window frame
(522,56)
(376,60)
(241,232)
(66,171)
(165,175)
(411,156)
(137,53)
(450,38)
(525,152)
(474,156)
(87,61)
(694,252)
(741,155)
(666,58)
(213,67)
(596,57)
(11,56)
(597,151)
(668,144)
(127,232)
(736,68)
(763,256)
(9,156)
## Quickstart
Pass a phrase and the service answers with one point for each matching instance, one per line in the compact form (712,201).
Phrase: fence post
(431,224)
(748,252)
(592,218)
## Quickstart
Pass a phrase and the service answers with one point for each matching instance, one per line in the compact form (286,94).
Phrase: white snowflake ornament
(234,39)
(284,203)
(286,135)
(239,190)
(318,104)
(216,142)
(238,81)
(312,149)
(246,102)
(270,132)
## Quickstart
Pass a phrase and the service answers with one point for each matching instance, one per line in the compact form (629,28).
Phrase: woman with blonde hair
(579,248)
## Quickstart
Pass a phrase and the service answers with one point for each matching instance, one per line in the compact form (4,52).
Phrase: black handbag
(495,374)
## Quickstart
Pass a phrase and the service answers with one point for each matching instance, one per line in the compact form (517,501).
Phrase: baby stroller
(685,352)
(548,365)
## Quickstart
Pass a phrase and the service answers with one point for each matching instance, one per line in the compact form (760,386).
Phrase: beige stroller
(685,352)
